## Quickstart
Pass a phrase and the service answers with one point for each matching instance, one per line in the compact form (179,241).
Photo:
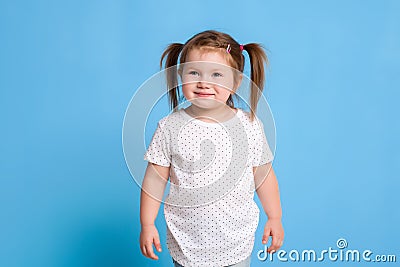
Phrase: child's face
(208,83)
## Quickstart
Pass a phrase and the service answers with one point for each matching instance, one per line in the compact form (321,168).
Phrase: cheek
(223,92)
(225,86)
(186,90)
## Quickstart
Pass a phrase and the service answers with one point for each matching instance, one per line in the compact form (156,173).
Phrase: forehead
(215,56)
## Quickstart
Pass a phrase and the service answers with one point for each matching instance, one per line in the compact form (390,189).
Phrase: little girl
(215,156)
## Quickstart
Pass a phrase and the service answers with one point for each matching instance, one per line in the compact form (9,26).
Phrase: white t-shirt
(210,211)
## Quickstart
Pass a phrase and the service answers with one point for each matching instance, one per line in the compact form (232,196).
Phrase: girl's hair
(214,40)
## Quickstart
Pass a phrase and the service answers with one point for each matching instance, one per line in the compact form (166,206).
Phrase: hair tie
(228,49)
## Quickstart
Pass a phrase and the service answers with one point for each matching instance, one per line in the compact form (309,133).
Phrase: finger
(157,243)
(272,249)
(150,253)
(143,249)
(275,244)
(267,234)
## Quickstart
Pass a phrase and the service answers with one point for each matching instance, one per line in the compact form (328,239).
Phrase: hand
(148,236)
(273,228)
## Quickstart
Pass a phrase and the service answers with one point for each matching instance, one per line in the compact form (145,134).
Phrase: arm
(153,187)
(268,192)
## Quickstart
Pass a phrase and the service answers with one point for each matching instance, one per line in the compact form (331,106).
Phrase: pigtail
(257,59)
(172,55)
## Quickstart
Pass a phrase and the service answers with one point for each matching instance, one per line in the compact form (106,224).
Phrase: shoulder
(172,122)
(170,119)
(254,123)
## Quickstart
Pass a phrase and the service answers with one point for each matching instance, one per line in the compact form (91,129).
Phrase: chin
(206,103)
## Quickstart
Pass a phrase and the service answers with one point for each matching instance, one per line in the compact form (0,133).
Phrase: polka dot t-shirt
(210,211)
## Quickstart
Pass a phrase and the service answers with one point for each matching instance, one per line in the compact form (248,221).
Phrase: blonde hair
(217,40)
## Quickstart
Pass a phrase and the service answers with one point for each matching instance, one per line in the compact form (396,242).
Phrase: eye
(217,74)
(193,72)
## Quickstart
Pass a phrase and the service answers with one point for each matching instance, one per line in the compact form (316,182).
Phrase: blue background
(68,70)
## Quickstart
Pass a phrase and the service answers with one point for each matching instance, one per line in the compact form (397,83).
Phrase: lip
(203,94)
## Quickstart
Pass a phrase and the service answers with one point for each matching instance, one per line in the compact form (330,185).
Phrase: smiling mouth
(203,95)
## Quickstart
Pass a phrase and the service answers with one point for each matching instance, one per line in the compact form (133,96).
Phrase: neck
(222,113)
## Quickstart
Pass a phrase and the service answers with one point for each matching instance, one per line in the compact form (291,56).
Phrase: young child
(215,156)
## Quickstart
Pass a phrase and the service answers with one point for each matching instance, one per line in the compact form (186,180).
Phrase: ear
(238,83)
(179,71)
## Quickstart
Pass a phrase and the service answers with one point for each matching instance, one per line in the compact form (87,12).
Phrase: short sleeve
(262,150)
(158,150)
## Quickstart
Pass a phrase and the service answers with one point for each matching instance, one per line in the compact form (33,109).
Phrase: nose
(203,84)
